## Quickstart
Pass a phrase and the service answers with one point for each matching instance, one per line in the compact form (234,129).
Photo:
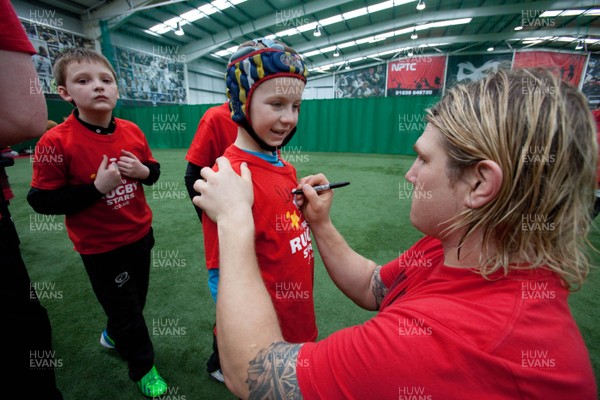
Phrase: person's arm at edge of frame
(22,101)
(357,277)
(253,356)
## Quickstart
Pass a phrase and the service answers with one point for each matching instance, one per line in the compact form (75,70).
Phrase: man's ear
(484,180)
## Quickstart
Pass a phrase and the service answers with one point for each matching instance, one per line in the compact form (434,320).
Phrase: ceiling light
(336,53)
(355,13)
(490,49)
(519,28)
(179,31)
(317,31)
(579,45)
(414,35)
(550,13)
(195,14)
(410,52)
(449,22)
(347,65)
(421,5)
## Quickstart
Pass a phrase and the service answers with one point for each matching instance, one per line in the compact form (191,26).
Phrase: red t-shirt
(448,333)
(70,154)
(12,34)
(216,132)
(283,245)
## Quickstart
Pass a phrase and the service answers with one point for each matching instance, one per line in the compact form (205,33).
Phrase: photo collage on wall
(366,82)
(146,79)
(49,42)
(591,81)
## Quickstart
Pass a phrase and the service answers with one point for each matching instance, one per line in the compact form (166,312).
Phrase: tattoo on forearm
(379,289)
(272,373)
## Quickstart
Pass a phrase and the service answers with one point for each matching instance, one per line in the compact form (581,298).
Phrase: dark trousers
(120,281)
(596,210)
(192,173)
(213,362)
(28,353)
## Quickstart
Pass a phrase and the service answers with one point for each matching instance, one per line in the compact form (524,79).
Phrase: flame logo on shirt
(294,219)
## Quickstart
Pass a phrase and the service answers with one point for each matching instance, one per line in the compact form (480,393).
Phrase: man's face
(435,198)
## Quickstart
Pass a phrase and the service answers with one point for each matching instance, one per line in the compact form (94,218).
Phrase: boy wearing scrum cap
(265,81)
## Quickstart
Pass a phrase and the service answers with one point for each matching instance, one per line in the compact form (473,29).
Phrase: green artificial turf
(371,213)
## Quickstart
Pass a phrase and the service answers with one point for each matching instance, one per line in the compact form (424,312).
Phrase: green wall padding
(373,125)
(166,126)
(386,125)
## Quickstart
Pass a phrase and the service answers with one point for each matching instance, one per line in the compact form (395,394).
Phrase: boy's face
(92,86)
(274,109)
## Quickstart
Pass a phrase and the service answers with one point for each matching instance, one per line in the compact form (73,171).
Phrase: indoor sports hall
(372,70)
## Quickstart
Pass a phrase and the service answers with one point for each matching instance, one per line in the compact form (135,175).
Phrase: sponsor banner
(568,66)
(421,75)
(473,67)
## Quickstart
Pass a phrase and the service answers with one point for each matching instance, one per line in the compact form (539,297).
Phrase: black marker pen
(320,188)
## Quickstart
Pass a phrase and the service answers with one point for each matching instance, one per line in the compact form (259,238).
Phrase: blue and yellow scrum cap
(252,65)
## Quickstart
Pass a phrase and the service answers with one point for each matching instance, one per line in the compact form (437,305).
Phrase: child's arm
(192,174)
(154,168)
(66,200)
(72,199)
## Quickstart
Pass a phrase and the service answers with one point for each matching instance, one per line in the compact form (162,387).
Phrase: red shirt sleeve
(12,34)
(216,132)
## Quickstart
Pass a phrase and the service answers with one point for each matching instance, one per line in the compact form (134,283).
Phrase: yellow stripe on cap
(238,74)
(259,66)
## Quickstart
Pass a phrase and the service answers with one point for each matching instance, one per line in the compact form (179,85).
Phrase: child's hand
(108,176)
(131,167)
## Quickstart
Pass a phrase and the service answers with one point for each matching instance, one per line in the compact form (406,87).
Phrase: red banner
(418,75)
(568,66)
